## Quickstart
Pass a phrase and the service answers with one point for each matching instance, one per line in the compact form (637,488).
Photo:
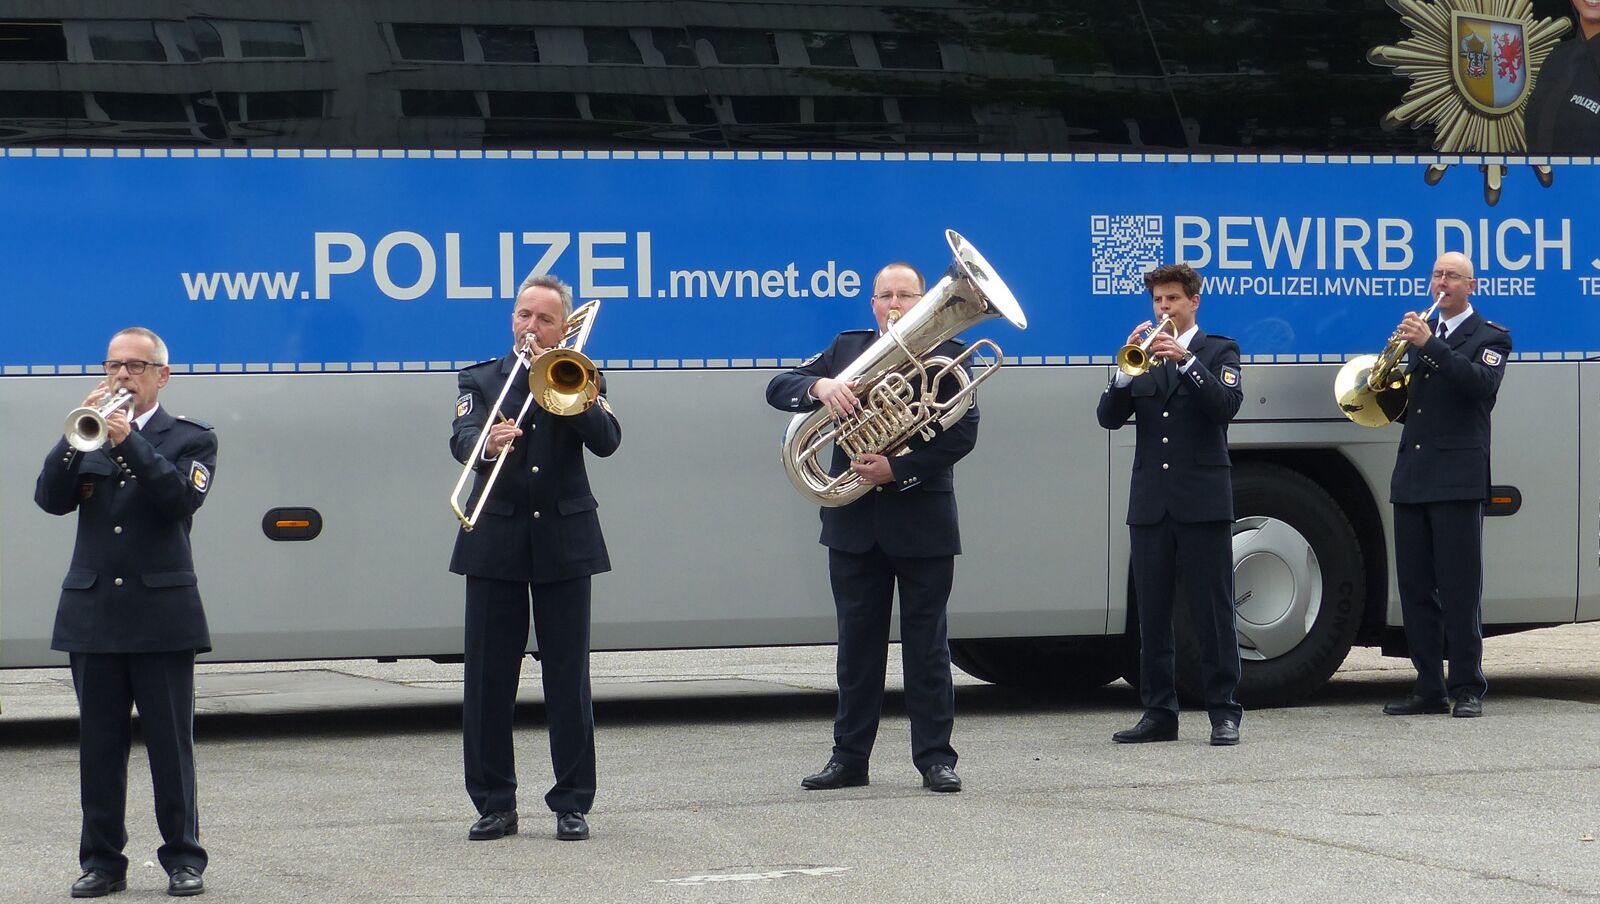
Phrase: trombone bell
(563,381)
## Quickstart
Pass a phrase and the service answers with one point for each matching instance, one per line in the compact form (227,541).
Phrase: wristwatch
(1187,357)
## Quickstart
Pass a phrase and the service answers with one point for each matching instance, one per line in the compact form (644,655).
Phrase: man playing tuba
(904,531)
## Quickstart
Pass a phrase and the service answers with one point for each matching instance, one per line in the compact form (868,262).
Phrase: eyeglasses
(1449,276)
(135,367)
(891,296)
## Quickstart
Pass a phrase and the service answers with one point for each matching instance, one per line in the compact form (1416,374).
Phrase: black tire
(1263,491)
(1050,664)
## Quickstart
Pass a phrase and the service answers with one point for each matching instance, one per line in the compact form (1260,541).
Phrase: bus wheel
(1053,664)
(1298,589)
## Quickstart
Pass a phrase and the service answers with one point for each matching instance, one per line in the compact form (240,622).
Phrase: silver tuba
(898,376)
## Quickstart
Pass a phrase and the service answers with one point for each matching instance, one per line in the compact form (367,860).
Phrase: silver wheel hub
(1277,587)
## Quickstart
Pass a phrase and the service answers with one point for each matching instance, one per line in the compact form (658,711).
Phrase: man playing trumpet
(130,617)
(1180,502)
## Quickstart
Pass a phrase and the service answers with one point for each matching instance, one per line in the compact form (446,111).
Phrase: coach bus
(325,211)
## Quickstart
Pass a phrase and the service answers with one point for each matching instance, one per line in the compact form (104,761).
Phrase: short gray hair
(161,347)
(546,281)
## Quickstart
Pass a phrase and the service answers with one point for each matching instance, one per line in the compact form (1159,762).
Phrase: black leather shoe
(941,777)
(1468,706)
(184,881)
(835,775)
(1415,705)
(571,826)
(1148,730)
(97,883)
(493,825)
(1225,733)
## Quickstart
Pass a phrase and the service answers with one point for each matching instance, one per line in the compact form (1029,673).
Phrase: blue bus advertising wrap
(404,260)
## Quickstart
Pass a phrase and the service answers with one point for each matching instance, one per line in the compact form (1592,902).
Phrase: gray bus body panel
(711,546)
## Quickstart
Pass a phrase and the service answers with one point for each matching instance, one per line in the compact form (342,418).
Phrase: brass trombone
(561,380)
(1134,358)
(1371,389)
(85,428)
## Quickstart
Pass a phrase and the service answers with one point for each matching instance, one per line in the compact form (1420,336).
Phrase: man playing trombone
(1180,501)
(904,531)
(130,617)
(1440,482)
(538,535)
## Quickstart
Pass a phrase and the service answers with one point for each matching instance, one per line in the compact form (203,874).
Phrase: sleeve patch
(607,406)
(464,405)
(1492,357)
(1230,376)
(199,477)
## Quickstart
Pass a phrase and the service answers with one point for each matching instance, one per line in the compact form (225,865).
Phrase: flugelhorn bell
(85,428)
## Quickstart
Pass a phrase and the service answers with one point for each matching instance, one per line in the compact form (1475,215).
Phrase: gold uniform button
(118,582)
(536,516)
(117,529)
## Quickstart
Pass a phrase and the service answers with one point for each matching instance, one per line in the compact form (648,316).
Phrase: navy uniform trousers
(161,685)
(1439,570)
(863,594)
(497,626)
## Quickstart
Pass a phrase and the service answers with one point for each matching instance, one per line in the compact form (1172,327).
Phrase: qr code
(1126,247)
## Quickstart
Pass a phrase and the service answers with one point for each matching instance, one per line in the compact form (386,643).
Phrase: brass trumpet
(85,428)
(1371,389)
(1134,359)
(561,380)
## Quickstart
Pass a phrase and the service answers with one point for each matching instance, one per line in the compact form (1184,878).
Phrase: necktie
(1444,329)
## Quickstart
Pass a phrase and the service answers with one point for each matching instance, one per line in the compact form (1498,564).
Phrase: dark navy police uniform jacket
(540,524)
(1180,460)
(916,515)
(1444,448)
(131,586)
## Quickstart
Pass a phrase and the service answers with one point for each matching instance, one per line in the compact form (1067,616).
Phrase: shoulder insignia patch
(811,360)
(199,476)
(195,421)
(464,405)
(1492,357)
(1497,326)
(852,332)
(1230,376)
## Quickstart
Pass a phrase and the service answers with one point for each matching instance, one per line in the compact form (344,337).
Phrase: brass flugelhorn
(1371,389)
(1134,358)
(561,380)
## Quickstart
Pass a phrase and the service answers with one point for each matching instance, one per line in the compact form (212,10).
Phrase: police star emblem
(1472,64)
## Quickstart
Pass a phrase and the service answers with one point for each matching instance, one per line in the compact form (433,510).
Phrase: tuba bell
(1371,389)
(897,379)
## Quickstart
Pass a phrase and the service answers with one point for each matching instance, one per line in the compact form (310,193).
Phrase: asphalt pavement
(342,782)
